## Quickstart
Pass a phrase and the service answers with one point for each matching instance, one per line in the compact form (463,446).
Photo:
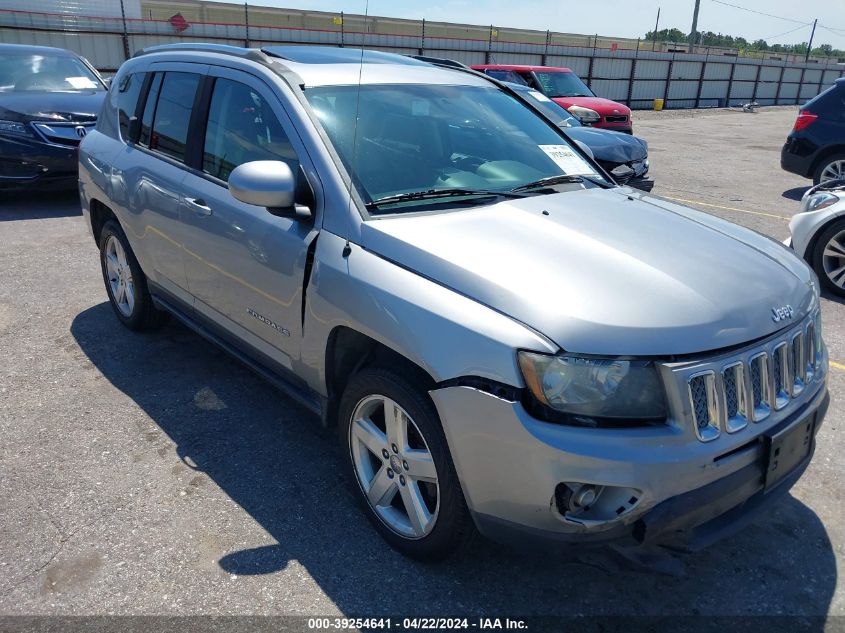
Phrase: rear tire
(828,258)
(397,458)
(831,168)
(125,282)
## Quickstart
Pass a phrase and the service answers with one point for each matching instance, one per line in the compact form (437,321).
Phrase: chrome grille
(752,388)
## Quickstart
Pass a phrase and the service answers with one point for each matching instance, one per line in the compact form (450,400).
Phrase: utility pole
(656,24)
(810,45)
(692,35)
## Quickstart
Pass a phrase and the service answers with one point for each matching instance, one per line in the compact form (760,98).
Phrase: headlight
(584,114)
(595,392)
(818,201)
(13,128)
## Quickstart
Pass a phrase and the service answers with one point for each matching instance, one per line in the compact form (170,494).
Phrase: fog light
(592,505)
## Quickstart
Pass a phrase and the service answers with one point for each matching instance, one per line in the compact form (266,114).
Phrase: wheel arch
(824,154)
(811,245)
(348,351)
(100,214)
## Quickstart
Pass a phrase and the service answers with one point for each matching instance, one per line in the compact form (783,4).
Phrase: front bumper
(32,163)
(510,465)
(796,157)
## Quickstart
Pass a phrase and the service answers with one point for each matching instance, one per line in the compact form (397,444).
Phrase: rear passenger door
(245,266)
(151,170)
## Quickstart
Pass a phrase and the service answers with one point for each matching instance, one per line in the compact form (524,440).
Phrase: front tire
(125,282)
(399,463)
(828,258)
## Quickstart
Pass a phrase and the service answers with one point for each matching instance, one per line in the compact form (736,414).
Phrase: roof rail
(223,49)
(441,61)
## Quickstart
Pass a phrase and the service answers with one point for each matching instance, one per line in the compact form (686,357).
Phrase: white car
(818,233)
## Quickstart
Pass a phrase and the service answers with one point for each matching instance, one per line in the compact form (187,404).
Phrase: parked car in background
(504,338)
(49,100)
(815,148)
(624,156)
(818,233)
(565,88)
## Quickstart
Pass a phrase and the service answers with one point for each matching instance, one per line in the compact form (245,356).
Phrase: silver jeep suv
(505,339)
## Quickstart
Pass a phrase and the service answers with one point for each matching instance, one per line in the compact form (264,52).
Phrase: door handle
(199,206)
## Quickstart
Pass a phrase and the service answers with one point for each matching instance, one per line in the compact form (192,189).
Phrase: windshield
(563,84)
(424,138)
(45,73)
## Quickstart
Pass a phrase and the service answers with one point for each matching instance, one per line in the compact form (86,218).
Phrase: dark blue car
(816,146)
(49,100)
(622,155)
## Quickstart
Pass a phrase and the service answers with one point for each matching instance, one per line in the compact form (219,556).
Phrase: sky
(620,18)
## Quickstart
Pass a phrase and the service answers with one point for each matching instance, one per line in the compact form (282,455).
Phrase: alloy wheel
(120,276)
(394,467)
(833,259)
(833,171)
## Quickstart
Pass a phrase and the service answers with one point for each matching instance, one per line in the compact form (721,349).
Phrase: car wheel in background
(831,168)
(400,464)
(126,284)
(828,257)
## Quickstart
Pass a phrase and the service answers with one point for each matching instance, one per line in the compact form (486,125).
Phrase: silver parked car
(504,339)
(818,233)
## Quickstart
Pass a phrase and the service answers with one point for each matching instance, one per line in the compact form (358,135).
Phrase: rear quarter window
(829,104)
(128,92)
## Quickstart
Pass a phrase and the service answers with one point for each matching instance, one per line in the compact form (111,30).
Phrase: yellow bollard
(658,104)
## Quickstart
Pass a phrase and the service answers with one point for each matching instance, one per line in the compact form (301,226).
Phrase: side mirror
(267,183)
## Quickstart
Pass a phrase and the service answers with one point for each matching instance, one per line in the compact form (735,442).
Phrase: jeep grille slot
(736,400)
(702,391)
(780,375)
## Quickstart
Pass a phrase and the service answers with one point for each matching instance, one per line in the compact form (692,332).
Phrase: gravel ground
(151,474)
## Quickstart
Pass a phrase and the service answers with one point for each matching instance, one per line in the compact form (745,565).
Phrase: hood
(605,107)
(610,146)
(49,106)
(610,272)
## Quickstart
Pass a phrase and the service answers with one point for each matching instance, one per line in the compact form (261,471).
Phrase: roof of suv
(328,65)
(522,67)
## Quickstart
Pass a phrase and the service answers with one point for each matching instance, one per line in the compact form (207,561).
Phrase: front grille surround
(766,379)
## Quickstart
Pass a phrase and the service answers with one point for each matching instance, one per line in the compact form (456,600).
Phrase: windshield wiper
(559,180)
(441,193)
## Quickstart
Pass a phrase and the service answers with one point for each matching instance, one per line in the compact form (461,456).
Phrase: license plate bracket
(787,448)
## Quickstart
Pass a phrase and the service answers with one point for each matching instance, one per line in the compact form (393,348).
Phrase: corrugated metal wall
(630,75)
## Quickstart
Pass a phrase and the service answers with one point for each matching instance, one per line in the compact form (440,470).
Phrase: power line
(779,17)
(833,30)
(797,28)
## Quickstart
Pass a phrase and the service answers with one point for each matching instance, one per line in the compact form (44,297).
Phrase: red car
(566,89)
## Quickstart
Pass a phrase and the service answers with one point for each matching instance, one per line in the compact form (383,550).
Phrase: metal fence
(632,76)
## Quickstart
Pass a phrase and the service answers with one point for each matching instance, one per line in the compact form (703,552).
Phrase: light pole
(692,35)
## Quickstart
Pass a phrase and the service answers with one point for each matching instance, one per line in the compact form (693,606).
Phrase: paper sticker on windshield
(568,160)
(80,83)
(539,96)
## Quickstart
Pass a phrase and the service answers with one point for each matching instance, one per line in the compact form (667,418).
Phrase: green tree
(760,45)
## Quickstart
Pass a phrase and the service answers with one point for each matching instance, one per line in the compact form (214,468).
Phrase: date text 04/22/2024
(419,623)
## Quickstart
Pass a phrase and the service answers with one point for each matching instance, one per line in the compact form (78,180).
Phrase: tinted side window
(173,113)
(127,100)
(149,109)
(241,128)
